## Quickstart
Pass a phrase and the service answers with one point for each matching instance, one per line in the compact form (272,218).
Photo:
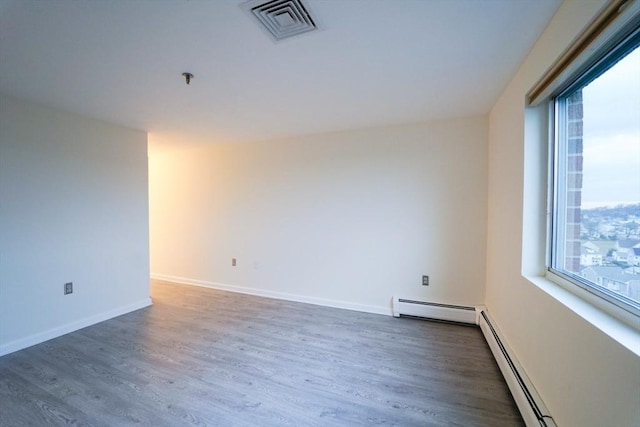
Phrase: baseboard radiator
(435,311)
(533,410)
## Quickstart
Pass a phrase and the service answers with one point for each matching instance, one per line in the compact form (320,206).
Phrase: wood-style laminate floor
(206,357)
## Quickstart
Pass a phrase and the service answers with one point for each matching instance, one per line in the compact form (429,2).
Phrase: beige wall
(585,377)
(346,219)
(73,208)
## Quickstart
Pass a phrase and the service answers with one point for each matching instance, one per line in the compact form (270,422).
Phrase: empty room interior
(319,212)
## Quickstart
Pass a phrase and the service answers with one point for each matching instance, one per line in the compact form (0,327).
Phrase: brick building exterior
(574,182)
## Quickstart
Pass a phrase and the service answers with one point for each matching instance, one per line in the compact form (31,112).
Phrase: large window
(595,231)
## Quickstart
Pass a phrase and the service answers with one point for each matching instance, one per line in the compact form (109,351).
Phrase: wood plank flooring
(206,357)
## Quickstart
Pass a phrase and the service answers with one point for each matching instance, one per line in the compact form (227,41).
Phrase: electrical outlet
(233,262)
(425,280)
(68,288)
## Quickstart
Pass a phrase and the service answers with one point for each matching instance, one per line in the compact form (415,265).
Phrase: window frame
(616,48)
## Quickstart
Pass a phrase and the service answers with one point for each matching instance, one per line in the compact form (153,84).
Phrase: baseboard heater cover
(531,406)
(436,311)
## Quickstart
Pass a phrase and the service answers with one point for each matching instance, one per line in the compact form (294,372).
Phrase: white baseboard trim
(277,295)
(41,337)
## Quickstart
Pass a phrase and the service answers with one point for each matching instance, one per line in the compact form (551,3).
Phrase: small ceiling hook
(187,77)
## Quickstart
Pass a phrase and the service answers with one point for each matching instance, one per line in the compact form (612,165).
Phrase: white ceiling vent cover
(282,18)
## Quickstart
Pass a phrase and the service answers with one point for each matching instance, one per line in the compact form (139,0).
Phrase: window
(595,226)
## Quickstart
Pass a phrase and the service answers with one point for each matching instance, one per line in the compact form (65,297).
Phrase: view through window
(596,226)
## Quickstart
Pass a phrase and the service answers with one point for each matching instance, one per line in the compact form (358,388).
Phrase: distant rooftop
(613,273)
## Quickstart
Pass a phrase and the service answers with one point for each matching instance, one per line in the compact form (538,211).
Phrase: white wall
(585,377)
(346,219)
(73,207)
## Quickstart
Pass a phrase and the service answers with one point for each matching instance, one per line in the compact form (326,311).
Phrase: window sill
(625,329)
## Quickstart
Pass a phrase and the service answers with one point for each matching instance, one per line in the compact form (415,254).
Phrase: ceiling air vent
(282,18)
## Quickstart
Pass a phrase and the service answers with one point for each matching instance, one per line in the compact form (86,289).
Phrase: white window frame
(558,173)
(592,60)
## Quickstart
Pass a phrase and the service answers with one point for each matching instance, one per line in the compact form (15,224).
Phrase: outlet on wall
(233,262)
(425,280)
(68,288)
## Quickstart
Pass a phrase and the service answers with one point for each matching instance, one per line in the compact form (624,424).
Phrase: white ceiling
(374,63)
